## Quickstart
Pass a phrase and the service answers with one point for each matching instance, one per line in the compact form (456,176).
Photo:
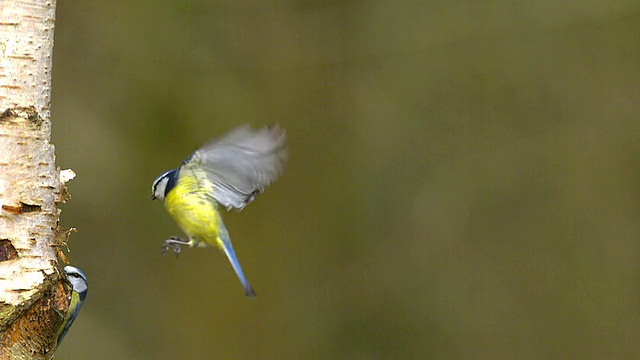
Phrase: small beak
(153,197)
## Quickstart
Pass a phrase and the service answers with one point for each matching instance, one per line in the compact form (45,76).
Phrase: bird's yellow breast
(194,210)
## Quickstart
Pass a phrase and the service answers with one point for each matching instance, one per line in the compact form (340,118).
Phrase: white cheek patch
(160,188)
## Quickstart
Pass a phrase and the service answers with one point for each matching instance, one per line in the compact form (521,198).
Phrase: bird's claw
(174,243)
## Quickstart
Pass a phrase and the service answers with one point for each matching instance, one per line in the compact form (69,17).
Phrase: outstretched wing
(241,163)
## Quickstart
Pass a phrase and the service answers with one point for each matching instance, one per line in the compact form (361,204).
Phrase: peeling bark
(33,293)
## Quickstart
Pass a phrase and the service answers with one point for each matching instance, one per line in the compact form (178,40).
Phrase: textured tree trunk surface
(33,294)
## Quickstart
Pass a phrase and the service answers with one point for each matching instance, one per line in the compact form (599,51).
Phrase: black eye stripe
(75,275)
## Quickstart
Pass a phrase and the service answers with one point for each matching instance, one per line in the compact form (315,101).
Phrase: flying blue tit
(79,282)
(227,172)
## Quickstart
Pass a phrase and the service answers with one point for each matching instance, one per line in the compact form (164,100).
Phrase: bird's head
(163,184)
(77,279)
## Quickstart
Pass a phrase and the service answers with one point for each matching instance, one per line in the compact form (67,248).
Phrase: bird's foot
(174,243)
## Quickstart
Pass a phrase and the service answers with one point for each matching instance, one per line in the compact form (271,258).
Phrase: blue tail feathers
(231,255)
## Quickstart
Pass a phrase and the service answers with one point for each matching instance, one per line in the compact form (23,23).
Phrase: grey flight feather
(242,163)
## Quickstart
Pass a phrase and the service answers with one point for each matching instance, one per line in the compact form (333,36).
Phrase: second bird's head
(163,184)
(77,279)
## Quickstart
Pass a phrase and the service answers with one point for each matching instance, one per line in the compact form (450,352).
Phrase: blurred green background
(463,182)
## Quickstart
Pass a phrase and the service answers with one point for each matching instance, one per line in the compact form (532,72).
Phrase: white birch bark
(32,296)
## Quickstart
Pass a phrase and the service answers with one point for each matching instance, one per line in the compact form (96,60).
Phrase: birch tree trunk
(33,293)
